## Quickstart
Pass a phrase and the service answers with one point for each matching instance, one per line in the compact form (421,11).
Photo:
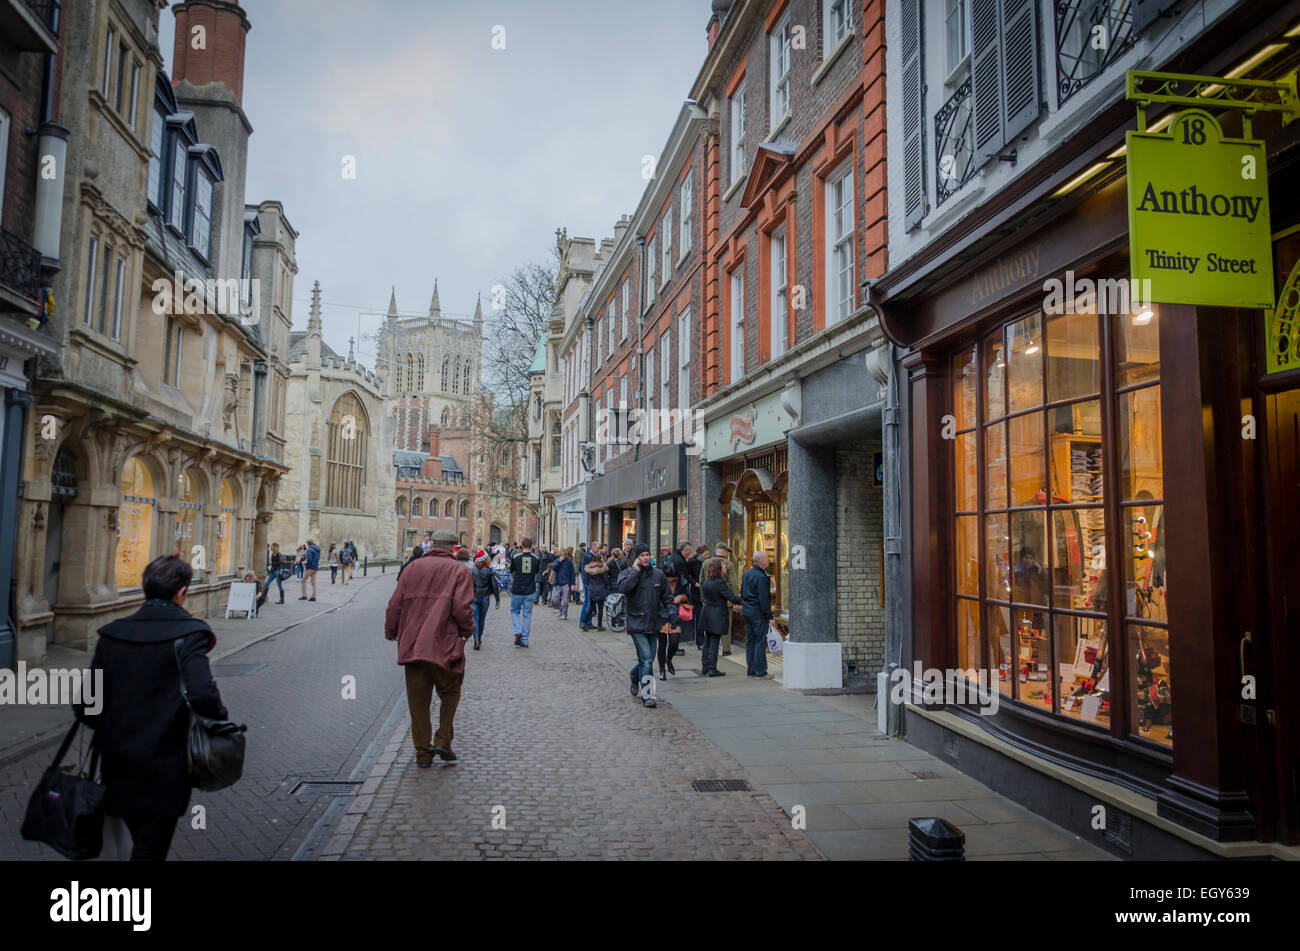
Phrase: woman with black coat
(486,587)
(679,591)
(142,729)
(714,595)
(597,573)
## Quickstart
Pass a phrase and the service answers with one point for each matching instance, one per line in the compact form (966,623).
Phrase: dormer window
(201,216)
(177,217)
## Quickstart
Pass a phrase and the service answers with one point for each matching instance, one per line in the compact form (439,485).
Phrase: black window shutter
(1021,102)
(913,116)
(986,81)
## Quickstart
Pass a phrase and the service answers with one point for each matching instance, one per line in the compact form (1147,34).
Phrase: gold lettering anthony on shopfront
(1005,274)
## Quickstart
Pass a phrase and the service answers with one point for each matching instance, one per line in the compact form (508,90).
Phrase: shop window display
(1031,514)
(135,519)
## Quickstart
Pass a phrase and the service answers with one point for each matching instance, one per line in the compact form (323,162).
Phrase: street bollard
(365,565)
(935,840)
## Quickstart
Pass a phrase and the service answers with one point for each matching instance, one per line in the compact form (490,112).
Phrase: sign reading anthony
(1198,215)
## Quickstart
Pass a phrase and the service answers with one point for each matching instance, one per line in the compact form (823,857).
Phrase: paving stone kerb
(552,746)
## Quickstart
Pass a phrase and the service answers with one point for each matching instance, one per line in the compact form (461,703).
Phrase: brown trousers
(422,678)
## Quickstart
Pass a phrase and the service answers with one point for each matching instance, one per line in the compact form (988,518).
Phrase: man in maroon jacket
(431,615)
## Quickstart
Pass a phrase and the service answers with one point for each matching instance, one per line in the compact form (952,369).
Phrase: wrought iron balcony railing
(954,144)
(1090,36)
(20,265)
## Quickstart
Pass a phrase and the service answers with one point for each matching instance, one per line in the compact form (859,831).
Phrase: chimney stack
(209,45)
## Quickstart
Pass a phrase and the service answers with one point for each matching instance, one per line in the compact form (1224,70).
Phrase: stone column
(710,507)
(812,652)
(16,404)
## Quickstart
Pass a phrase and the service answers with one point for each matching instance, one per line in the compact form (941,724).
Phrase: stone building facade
(339,446)
(144,439)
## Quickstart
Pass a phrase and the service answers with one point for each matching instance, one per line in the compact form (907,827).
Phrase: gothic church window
(446,366)
(455,380)
(410,372)
(345,453)
(420,385)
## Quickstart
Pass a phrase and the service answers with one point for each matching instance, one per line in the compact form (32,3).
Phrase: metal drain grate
(316,788)
(925,774)
(720,785)
(950,744)
(1119,830)
(238,670)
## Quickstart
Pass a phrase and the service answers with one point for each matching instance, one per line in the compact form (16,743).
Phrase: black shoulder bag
(215,748)
(66,810)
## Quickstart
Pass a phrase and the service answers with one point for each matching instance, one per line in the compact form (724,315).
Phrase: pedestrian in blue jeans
(756,608)
(646,594)
(486,588)
(524,570)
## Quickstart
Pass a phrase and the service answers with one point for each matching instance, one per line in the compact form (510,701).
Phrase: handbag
(686,612)
(66,810)
(214,748)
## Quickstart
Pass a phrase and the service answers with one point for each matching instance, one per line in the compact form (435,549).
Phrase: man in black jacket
(756,608)
(143,729)
(648,600)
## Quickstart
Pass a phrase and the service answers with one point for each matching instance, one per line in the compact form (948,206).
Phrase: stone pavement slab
(857,788)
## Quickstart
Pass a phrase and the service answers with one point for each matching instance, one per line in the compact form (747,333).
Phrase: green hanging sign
(1198,215)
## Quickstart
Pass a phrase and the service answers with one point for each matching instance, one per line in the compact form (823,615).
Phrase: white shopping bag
(774,641)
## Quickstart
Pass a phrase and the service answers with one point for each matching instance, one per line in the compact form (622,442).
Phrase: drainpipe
(259,382)
(893,579)
(640,342)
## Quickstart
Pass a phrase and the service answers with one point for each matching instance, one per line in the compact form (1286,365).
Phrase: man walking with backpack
(347,558)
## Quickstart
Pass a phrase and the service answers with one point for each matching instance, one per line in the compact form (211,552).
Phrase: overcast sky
(467,157)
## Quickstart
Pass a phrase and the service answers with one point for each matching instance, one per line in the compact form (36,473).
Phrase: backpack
(345,557)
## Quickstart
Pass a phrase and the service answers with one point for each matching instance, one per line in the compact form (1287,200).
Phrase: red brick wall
(21,76)
(222,59)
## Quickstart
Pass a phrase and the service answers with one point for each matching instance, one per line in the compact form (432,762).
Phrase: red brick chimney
(209,45)
(715,27)
(434,440)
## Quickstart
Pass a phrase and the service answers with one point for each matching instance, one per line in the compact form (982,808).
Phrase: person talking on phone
(648,602)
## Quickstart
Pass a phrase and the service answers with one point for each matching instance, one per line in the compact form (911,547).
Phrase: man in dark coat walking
(143,729)
(648,601)
(431,616)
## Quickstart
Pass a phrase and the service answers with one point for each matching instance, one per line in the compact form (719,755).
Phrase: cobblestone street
(549,738)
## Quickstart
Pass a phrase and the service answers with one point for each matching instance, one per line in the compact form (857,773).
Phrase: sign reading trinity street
(1198,215)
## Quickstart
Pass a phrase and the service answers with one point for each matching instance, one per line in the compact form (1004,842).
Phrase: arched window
(446,368)
(410,372)
(455,379)
(446,416)
(225,560)
(401,507)
(433,508)
(464,509)
(420,381)
(345,453)
(450,510)
(468,376)
(189,520)
(134,523)
(417,508)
